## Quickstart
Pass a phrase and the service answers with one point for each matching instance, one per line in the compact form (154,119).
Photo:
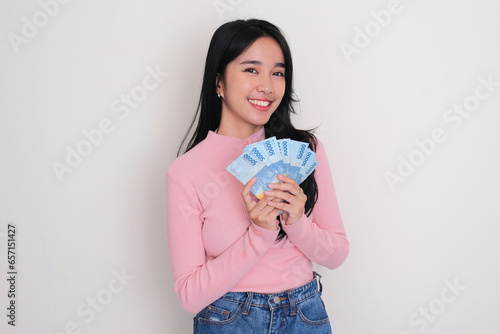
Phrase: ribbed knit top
(214,247)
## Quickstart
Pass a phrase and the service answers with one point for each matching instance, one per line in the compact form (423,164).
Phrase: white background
(108,214)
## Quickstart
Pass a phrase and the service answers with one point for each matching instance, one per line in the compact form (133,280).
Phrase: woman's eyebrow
(257,62)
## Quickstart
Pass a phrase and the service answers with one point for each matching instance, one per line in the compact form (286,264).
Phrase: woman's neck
(238,132)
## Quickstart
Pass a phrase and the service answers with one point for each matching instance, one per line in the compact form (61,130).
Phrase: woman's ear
(219,85)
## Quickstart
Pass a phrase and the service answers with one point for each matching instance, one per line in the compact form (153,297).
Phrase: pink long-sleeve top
(214,246)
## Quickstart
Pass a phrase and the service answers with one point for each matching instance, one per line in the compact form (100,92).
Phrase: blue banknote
(309,170)
(298,151)
(268,151)
(246,166)
(268,158)
(284,146)
(308,164)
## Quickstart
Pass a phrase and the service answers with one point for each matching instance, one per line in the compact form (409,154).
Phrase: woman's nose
(265,85)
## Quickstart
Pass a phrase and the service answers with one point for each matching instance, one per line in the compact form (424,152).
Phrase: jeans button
(276,299)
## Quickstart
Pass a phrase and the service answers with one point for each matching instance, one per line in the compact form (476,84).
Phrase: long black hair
(228,42)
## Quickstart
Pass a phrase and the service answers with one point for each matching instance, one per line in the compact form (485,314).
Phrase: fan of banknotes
(268,158)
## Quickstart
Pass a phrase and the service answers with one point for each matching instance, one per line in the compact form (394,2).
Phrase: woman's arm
(199,282)
(322,239)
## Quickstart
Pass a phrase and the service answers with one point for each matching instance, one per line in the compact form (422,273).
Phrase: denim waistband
(279,299)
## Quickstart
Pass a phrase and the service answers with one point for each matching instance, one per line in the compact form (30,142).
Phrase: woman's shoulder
(319,146)
(189,162)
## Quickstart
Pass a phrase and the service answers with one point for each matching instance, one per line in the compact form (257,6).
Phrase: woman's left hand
(293,196)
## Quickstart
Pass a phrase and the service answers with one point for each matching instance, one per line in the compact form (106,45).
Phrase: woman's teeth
(259,103)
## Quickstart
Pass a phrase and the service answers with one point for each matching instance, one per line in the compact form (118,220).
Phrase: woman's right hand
(260,213)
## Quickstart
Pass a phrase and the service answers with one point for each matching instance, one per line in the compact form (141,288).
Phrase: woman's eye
(251,70)
(279,74)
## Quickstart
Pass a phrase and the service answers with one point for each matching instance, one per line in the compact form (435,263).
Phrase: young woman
(242,264)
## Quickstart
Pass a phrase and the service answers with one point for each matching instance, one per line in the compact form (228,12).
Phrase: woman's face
(253,86)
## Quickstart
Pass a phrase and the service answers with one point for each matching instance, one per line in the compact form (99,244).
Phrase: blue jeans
(298,310)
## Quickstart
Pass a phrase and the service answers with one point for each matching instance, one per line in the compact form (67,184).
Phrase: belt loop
(248,302)
(292,302)
(318,279)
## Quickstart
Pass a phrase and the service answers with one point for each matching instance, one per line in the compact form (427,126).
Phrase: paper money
(268,151)
(268,158)
(308,165)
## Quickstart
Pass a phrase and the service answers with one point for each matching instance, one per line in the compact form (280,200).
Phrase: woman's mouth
(260,104)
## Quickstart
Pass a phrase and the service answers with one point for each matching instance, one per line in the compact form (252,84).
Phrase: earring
(218,95)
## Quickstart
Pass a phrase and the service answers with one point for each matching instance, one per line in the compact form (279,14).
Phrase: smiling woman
(241,263)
